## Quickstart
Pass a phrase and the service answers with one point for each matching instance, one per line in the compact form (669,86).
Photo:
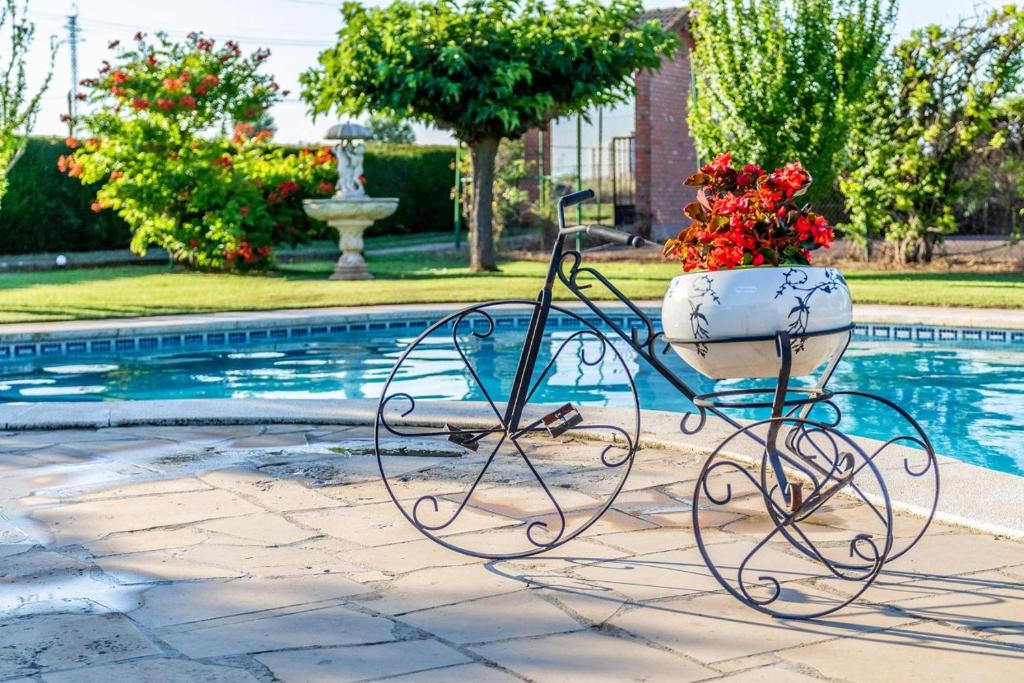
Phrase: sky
(294,30)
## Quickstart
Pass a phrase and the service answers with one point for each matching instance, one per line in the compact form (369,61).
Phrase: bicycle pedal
(461,438)
(562,420)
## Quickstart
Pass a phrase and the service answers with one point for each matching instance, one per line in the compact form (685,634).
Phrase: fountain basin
(351,218)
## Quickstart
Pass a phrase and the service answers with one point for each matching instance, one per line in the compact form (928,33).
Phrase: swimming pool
(968,397)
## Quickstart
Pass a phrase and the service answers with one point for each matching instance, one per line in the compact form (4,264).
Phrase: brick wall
(665,154)
(538,161)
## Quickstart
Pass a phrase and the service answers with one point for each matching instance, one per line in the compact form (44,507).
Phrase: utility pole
(73,39)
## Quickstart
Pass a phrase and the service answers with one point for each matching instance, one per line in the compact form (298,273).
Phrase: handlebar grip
(576,198)
(609,235)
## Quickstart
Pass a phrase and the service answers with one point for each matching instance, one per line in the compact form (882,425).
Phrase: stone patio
(256,553)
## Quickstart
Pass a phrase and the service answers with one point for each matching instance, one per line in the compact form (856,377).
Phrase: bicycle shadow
(979,614)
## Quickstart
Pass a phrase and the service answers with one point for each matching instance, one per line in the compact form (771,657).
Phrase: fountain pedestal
(350,217)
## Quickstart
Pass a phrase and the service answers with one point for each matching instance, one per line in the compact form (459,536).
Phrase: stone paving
(273,553)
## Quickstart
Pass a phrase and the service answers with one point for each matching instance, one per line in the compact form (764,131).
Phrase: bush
(421,177)
(213,203)
(46,211)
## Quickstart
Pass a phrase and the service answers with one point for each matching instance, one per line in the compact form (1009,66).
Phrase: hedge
(46,211)
(421,177)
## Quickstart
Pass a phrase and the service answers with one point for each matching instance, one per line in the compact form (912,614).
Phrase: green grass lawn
(409,278)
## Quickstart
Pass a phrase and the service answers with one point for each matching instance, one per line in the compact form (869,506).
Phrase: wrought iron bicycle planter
(791,515)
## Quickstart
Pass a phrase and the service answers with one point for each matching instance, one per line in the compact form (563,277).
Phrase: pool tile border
(129,340)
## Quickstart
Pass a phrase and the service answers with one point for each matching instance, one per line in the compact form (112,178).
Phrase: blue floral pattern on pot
(795,280)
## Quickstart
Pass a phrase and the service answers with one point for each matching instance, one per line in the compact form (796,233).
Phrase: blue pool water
(970,400)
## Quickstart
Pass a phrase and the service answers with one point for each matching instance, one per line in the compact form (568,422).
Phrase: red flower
(748,218)
(244,212)
(201,89)
(188,102)
(326,188)
(140,103)
(71,142)
(80,96)
(119,76)
(790,179)
(64,118)
(151,59)
(165,104)
(96,206)
(114,175)
(139,35)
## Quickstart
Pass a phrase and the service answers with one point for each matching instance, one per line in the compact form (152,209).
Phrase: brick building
(655,150)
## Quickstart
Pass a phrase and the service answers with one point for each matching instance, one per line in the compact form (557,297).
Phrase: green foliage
(212,202)
(485,70)
(391,130)
(421,177)
(935,107)
(18,109)
(993,178)
(46,211)
(781,80)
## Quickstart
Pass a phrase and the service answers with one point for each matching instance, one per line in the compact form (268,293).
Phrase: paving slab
(438,586)
(919,652)
(309,627)
(44,642)
(716,627)
(514,615)
(361,662)
(154,671)
(188,602)
(94,520)
(476,673)
(602,658)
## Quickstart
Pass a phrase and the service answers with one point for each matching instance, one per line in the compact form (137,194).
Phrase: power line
(279,41)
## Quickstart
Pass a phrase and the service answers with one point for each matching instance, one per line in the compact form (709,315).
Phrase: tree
(391,130)
(486,70)
(780,80)
(158,144)
(934,108)
(18,109)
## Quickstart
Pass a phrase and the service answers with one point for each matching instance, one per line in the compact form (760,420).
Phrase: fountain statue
(350,210)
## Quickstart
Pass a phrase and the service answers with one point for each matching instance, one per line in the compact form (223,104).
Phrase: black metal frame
(797,450)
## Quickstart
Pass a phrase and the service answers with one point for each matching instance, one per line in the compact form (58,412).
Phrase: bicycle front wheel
(458,468)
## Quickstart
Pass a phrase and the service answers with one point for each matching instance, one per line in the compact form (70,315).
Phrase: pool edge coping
(974,497)
(979,318)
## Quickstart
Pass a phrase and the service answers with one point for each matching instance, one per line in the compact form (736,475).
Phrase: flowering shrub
(748,217)
(174,142)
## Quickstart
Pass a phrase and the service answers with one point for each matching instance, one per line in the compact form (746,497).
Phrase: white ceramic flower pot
(752,302)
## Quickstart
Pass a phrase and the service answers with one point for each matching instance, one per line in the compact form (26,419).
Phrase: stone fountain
(350,211)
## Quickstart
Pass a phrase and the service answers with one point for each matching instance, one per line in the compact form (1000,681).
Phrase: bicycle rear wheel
(467,478)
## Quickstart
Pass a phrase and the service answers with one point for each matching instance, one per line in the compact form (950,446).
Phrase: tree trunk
(928,247)
(481,236)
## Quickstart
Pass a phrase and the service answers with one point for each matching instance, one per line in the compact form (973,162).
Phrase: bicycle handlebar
(616,236)
(576,198)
